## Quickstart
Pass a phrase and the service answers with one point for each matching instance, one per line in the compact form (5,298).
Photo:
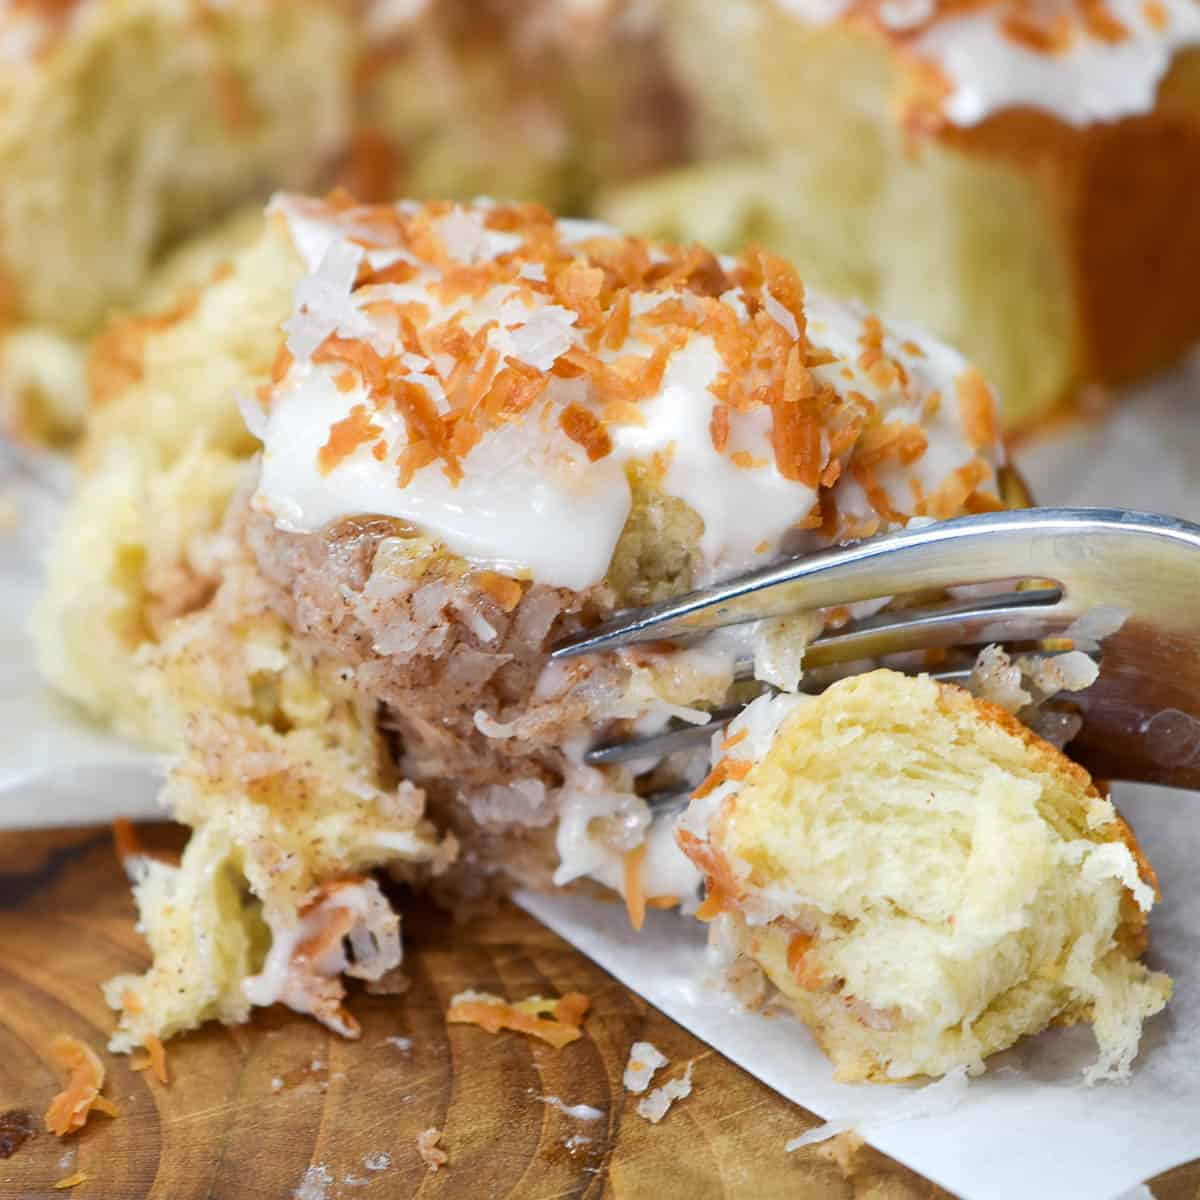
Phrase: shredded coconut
(996,678)
(544,337)
(656,1105)
(323,305)
(644,1059)
(467,241)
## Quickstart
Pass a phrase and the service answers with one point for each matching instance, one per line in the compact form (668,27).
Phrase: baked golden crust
(1122,196)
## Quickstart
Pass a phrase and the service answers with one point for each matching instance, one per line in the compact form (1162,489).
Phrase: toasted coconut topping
(635,895)
(1083,60)
(557,1022)
(486,373)
(69,1109)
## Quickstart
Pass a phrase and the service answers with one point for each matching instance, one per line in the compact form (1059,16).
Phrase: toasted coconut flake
(492,1013)
(977,409)
(158,1057)
(1100,21)
(734,740)
(583,426)
(345,436)
(796,440)
(635,896)
(572,1008)
(1028,32)
(1155,13)
(505,591)
(722,887)
(728,768)
(69,1109)
(73,1180)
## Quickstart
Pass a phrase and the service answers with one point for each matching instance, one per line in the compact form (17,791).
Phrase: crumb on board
(644,1059)
(71,1181)
(557,1022)
(315,1184)
(69,1109)
(431,1153)
(656,1105)
(580,1112)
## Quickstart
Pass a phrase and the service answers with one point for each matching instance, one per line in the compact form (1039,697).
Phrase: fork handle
(1141,718)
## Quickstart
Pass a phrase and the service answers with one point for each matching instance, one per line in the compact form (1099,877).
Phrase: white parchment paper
(1029,1128)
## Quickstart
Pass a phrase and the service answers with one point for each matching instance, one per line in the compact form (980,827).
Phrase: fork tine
(1031,544)
(660,744)
(1014,617)
(1024,616)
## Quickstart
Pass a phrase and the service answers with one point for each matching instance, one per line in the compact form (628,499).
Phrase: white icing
(530,500)
(988,71)
(1092,80)
(589,810)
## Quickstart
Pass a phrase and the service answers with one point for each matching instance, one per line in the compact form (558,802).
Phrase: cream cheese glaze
(530,498)
(1087,75)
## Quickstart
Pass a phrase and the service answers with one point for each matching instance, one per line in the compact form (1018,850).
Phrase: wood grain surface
(248,1112)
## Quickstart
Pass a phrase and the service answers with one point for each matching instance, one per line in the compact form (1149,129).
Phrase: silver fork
(1138,573)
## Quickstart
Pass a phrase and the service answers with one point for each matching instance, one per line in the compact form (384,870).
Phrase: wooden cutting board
(279,1106)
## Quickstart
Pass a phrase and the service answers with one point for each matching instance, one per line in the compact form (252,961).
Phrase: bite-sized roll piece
(126,125)
(482,429)
(922,879)
(1019,178)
